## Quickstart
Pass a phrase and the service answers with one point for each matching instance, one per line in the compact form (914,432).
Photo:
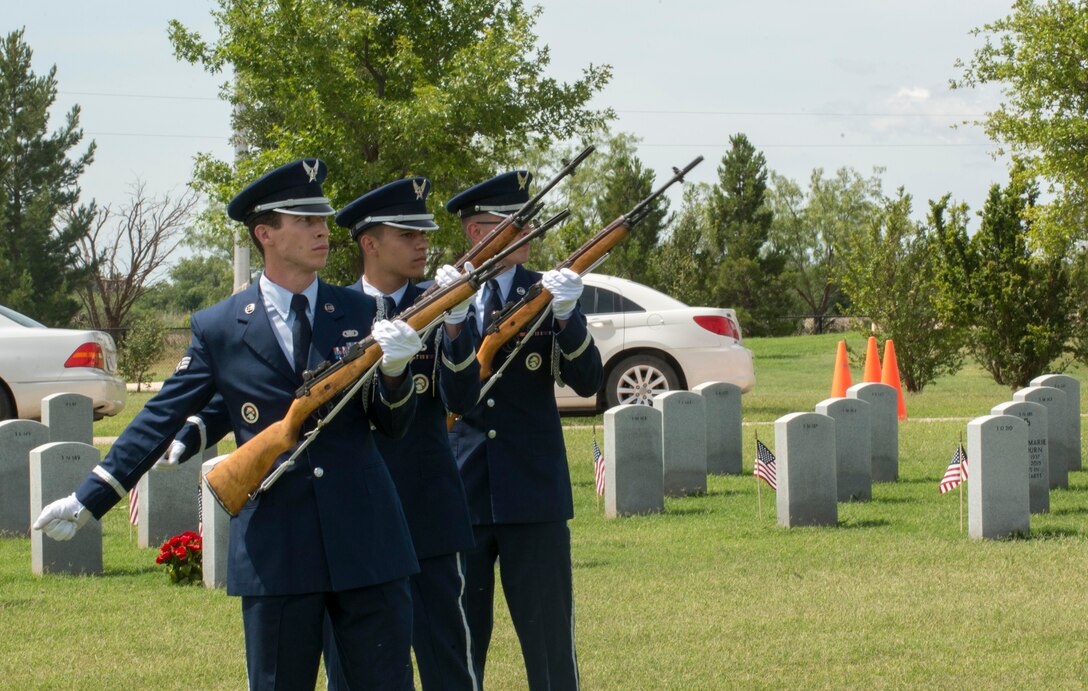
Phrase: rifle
(239,476)
(512,320)
(508,229)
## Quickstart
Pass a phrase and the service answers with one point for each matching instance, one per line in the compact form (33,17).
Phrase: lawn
(704,596)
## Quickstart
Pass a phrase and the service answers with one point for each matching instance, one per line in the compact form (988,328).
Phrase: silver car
(651,343)
(36,361)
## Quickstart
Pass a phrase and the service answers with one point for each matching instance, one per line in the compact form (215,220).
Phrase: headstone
(1057,429)
(56,469)
(1038,457)
(721,400)
(853,446)
(683,442)
(216,531)
(1071,387)
(168,501)
(997,493)
(804,445)
(69,417)
(17,438)
(884,425)
(633,467)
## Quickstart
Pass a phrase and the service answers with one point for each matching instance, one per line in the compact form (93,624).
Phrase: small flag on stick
(765,465)
(956,472)
(134,506)
(598,467)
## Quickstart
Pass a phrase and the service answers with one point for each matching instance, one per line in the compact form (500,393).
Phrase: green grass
(704,596)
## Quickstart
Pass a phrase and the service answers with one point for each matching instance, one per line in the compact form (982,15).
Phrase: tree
(381,91)
(143,345)
(892,280)
(145,232)
(748,275)
(808,226)
(41,221)
(1036,55)
(1019,299)
(195,283)
(682,265)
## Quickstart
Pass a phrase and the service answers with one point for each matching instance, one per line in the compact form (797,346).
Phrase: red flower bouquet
(182,555)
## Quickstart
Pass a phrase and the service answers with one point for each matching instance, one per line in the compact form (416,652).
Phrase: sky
(851,83)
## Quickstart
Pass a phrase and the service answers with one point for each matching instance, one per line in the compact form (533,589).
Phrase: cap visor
(308,210)
(413,225)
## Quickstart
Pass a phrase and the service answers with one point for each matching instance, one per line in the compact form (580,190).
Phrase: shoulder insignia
(183,364)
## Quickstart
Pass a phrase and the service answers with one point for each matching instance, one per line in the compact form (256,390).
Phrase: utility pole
(241,243)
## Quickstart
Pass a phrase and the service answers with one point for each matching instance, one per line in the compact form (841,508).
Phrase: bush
(141,348)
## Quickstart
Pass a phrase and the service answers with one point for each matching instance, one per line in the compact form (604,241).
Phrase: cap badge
(419,188)
(523,180)
(311,170)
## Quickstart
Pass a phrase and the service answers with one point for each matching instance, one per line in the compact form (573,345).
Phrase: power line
(158,136)
(803,113)
(151,96)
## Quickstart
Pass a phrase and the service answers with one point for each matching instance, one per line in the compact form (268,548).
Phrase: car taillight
(87,355)
(723,326)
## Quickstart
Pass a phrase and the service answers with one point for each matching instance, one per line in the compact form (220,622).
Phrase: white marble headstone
(216,533)
(804,445)
(17,438)
(56,470)
(997,491)
(633,468)
(1071,387)
(69,417)
(1038,457)
(1057,429)
(853,446)
(722,402)
(884,425)
(683,442)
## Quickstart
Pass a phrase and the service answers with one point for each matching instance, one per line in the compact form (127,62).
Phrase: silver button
(319,471)
(491,403)
(491,434)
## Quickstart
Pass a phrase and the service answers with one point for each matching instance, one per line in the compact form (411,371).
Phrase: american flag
(133,507)
(765,465)
(598,467)
(956,471)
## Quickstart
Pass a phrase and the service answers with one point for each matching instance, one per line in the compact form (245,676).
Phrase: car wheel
(638,378)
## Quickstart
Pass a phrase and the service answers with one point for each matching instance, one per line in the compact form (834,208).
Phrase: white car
(651,343)
(36,361)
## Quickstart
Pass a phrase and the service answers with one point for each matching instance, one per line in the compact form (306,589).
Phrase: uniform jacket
(510,447)
(333,521)
(421,462)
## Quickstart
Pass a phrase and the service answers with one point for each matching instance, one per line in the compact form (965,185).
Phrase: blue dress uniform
(513,461)
(446,376)
(330,536)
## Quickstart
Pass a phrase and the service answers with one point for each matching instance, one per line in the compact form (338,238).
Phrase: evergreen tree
(41,221)
(749,272)
(627,183)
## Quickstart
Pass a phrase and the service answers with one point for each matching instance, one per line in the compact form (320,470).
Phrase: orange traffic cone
(872,363)
(840,381)
(890,376)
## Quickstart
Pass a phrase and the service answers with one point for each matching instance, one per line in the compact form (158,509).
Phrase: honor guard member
(329,538)
(391,226)
(513,461)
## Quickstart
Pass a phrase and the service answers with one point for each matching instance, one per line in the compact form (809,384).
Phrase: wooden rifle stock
(514,323)
(234,478)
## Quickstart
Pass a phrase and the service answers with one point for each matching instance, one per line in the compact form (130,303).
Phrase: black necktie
(301,332)
(493,303)
(390,306)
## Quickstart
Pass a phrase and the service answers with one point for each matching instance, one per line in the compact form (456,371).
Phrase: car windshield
(9,317)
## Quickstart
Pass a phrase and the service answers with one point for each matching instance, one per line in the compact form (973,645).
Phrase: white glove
(170,460)
(61,519)
(566,287)
(446,275)
(399,343)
